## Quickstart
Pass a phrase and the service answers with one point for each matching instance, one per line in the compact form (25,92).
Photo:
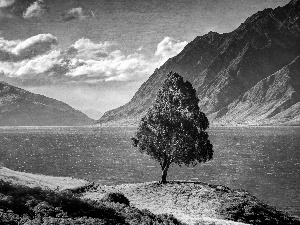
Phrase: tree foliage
(173,129)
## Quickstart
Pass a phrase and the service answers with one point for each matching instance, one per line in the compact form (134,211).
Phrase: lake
(265,161)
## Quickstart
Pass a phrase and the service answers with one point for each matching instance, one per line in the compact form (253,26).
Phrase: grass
(140,203)
(240,206)
(192,201)
(20,204)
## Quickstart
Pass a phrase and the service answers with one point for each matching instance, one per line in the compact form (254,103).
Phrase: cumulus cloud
(116,66)
(37,65)
(19,50)
(34,61)
(87,61)
(86,49)
(36,9)
(35,45)
(74,13)
(6,3)
(169,47)
(6,48)
(5,8)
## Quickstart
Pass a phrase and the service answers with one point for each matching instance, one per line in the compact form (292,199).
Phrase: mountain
(273,100)
(22,108)
(92,113)
(230,71)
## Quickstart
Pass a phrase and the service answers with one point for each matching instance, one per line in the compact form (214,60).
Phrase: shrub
(44,209)
(116,198)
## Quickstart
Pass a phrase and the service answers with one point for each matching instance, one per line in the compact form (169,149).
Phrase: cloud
(86,62)
(6,3)
(18,50)
(86,49)
(30,67)
(93,15)
(115,67)
(74,13)
(36,9)
(34,62)
(6,48)
(21,8)
(169,47)
(35,45)
(5,8)
(97,62)
(40,64)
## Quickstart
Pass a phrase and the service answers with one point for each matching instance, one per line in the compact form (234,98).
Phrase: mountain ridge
(19,107)
(223,67)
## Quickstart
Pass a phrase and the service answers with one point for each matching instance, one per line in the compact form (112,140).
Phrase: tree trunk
(164,174)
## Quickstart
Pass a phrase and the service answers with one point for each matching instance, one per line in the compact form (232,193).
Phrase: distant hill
(92,113)
(247,76)
(23,108)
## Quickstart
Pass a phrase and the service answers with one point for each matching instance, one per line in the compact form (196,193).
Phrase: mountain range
(250,76)
(23,108)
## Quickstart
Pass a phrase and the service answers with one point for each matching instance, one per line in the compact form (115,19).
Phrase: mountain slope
(22,108)
(223,67)
(273,100)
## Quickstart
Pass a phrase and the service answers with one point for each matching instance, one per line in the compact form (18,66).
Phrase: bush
(116,198)
(44,209)
(248,209)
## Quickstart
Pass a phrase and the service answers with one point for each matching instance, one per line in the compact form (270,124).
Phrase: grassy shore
(197,203)
(189,202)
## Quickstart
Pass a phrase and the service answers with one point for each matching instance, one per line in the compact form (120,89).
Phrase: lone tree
(173,130)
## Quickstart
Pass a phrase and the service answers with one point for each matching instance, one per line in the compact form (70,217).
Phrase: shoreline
(95,126)
(40,180)
(189,201)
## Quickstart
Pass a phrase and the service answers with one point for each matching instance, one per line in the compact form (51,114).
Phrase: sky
(95,54)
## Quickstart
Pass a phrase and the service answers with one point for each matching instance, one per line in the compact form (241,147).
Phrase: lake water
(264,161)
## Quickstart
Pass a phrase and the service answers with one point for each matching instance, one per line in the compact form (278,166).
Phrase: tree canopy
(173,129)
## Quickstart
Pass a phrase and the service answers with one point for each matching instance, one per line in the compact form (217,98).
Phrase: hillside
(273,100)
(23,108)
(225,67)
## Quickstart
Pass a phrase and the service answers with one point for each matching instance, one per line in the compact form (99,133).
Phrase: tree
(173,129)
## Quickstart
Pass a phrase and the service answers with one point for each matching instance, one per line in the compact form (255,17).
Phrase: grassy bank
(24,205)
(49,201)
(38,180)
(195,202)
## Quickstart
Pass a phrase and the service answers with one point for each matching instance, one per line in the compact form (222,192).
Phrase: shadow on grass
(21,204)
